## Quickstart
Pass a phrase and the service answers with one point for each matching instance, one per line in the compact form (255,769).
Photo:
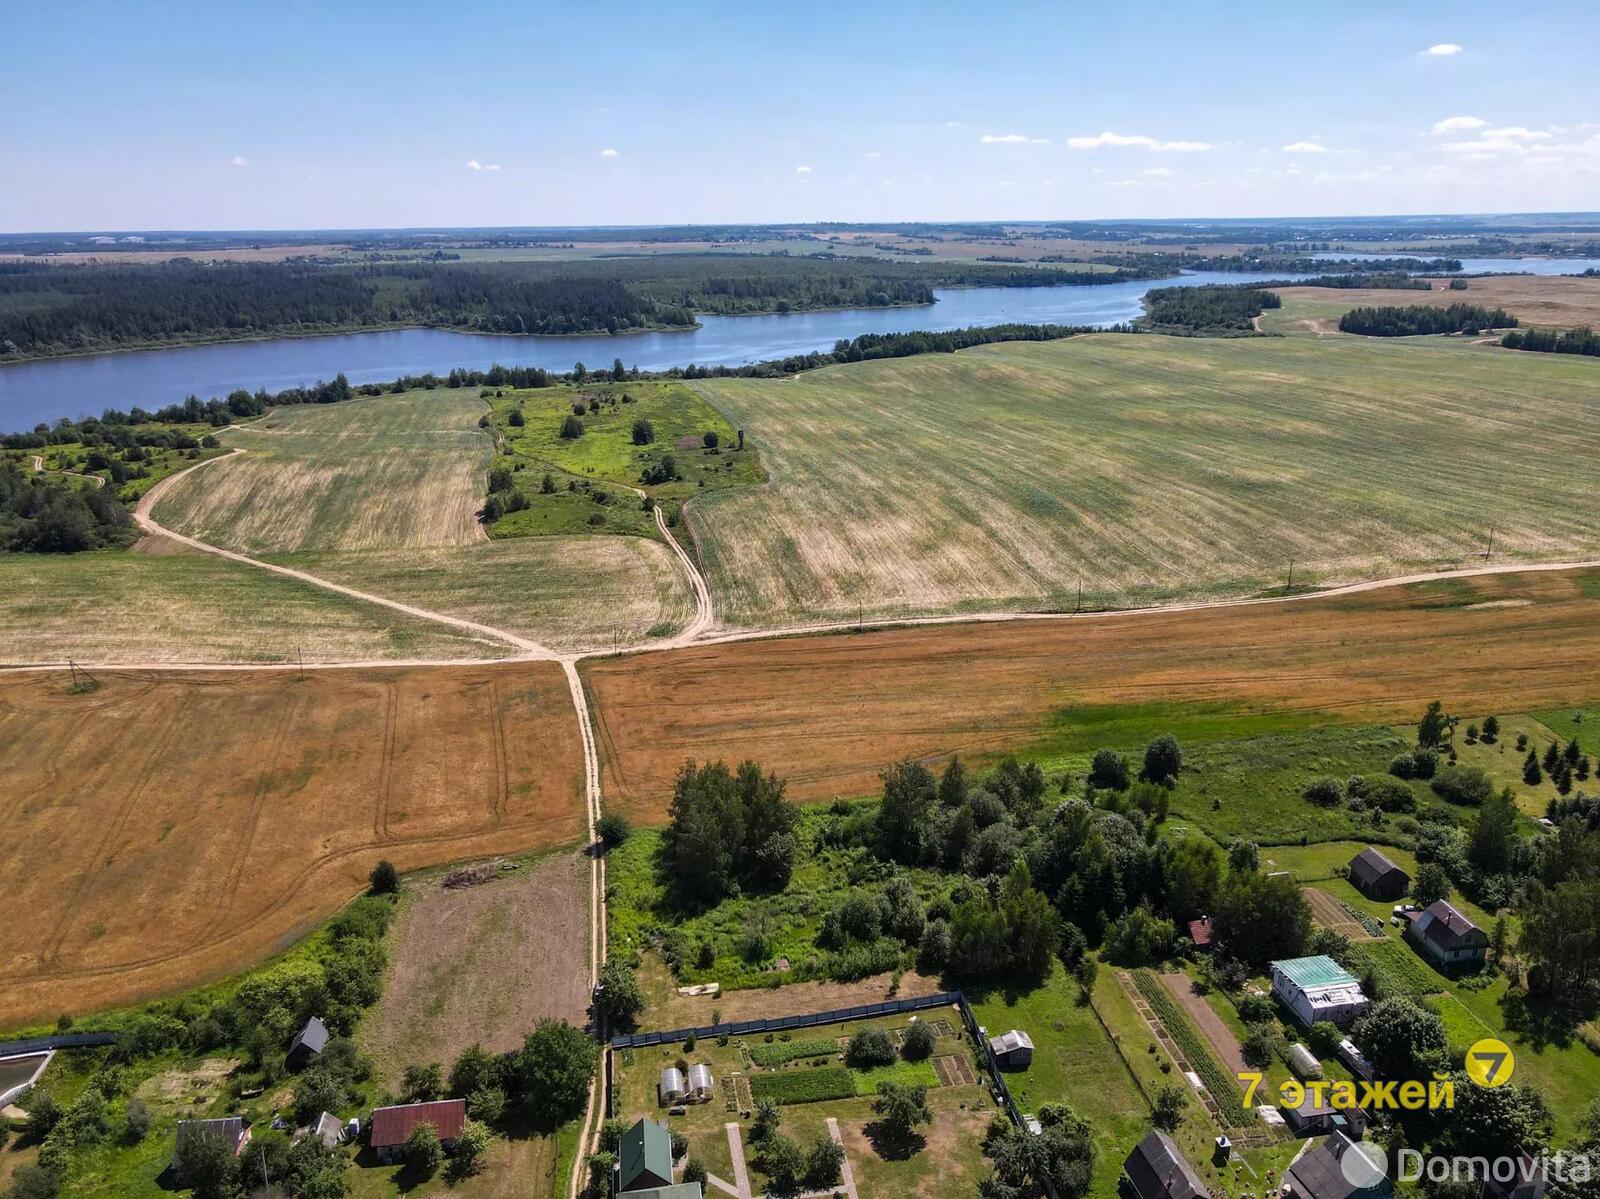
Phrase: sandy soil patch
(1223,1042)
(483,964)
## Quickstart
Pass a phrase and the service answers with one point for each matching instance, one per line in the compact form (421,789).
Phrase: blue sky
(313,115)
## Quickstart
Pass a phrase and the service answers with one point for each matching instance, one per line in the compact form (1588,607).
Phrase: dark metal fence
(73,1040)
(739,1028)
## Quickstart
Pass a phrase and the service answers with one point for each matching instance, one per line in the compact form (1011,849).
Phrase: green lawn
(1004,476)
(605,460)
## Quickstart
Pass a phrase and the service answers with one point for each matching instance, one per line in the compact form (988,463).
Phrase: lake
(31,392)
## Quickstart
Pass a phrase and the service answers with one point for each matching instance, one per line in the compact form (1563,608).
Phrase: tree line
(1424,319)
(1218,309)
(1551,341)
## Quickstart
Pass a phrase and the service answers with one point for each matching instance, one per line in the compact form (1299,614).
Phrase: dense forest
(1419,319)
(47,310)
(1221,309)
(1550,341)
(1296,264)
(58,516)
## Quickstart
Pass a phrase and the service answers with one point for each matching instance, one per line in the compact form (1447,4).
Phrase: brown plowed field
(830,712)
(166,830)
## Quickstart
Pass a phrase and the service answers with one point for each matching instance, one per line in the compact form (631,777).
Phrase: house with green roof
(644,1165)
(1318,988)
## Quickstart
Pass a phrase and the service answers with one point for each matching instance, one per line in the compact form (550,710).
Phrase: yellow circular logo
(1490,1063)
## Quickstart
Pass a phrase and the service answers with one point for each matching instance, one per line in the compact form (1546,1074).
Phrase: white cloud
(608,152)
(1516,133)
(1012,139)
(1305,148)
(872,154)
(1442,50)
(1159,172)
(474,165)
(1459,124)
(239,160)
(1138,140)
(802,170)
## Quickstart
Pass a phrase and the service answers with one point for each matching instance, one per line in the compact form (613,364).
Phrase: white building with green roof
(1318,988)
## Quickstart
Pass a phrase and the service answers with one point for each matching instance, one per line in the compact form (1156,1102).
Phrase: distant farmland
(195,825)
(1146,468)
(829,713)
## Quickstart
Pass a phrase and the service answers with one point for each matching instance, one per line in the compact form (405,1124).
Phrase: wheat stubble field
(829,712)
(1147,468)
(196,824)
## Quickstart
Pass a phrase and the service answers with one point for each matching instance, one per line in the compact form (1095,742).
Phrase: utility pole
(1078,607)
(1289,586)
(1490,550)
(300,655)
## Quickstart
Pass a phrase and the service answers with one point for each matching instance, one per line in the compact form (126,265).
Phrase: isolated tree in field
(1494,833)
(613,829)
(1434,726)
(1108,771)
(768,1116)
(782,1161)
(571,428)
(516,420)
(1531,774)
(643,432)
(618,371)
(1167,1111)
(824,1164)
(918,1043)
(422,1082)
(1491,729)
(1163,759)
(900,1109)
(1402,1039)
(869,1047)
(1431,884)
(550,1074)
(579,372)
(424,1152)
(1261,919)
(384,879)
(207,1164)
(620,996)
(711,440)
(547,485)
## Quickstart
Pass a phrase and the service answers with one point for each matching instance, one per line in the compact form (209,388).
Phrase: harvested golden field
(1560,300)
(828,713)
(380,472)
(565,592)
(1146,468)
(196,824)
(177,605)
(482,964)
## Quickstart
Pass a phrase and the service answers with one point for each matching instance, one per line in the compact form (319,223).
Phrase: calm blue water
(1478,266)
(31,392)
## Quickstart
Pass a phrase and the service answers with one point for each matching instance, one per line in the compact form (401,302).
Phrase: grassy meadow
(596,475)
(134,607)
(378,472)
(1146,468)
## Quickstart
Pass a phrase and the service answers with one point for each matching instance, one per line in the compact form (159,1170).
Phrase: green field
(378,472)
(1147,468)
(605,461)
(570,592)
(127,606)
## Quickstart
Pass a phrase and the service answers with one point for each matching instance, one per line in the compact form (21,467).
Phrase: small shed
(645,1159)
(329,1129)
(701,1084)
(671,1088)
(307,1044)
(1322,1118)
(1376,877)
(1012,1050)
(1200,934)
(1303,1062)
(1157,1169)
(1354,1059)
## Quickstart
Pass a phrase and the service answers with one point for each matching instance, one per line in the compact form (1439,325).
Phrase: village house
(1157,1169)
(1318,988)
(644,1165)
(1328,1171)
(1447,938)
(1376,877)
(307,1044)
(232,1130)
(393,1126)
